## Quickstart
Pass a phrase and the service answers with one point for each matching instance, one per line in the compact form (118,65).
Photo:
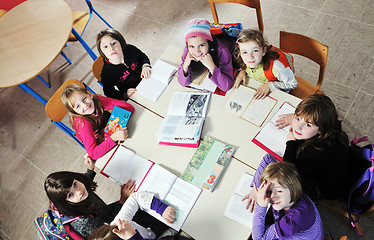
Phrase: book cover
(271,138)
(208,163)
(117,120)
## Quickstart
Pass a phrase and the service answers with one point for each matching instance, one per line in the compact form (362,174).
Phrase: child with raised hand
(295,215)
(73,195)
(260,62)
(319,148)
(202,51)
(88,117)
(124,65)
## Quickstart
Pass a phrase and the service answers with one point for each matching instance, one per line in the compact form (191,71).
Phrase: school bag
(285,58)
(52,226)
(361,196)
(226,29)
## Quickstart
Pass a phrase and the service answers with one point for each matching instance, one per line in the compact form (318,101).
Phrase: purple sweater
(222,75)
(302,221)
(86,133)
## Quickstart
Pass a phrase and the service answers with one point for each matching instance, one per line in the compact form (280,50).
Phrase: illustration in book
(117,120)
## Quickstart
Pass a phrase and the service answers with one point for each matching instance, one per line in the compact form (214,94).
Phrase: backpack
(50,226)
(285,58)
(226,30)
(361,196)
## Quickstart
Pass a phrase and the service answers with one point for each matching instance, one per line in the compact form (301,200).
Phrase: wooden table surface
(32,35)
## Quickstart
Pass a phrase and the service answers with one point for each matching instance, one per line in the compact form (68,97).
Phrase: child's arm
(222,75)
(184,78)
(240,78)
(125,230)
(286,79)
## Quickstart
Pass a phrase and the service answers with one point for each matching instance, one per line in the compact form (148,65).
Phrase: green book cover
(208,163)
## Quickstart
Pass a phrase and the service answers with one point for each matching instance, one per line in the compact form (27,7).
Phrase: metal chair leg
(67,130)
(41,79)
(66,57)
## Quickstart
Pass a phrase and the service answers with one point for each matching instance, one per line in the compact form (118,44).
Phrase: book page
(238,100)
(258,110)
(154,86)
(125,165)
(189,104)
(206,84)
(236,208)
(271,137)
(180,127)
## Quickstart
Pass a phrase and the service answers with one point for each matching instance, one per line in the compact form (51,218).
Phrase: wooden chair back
(312,49)
(55,109)
(249,3)
(97,66)
(80,20)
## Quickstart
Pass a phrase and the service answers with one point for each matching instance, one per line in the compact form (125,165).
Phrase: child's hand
(187,63)
(284,120)
(241,78)
(290,135)
(146,72)
(208,62)
(262,91)
(89,162)
(119,135)
(126,190)
(251,196)
(169,214)
(125,229)
(263,197)
(131,91)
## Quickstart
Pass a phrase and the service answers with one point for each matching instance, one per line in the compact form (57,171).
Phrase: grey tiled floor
(31,147)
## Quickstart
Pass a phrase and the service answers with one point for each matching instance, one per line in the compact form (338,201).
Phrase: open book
(124,165)
(236,208)
(202,82)
(184,120)
(153,87)
(117,120)
(208,163)
(242,104)
(272,139)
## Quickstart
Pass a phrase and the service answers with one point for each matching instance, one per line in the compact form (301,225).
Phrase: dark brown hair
(105,232)
(57,186)
(112,33)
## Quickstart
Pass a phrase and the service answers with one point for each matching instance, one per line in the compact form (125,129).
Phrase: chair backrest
(97,66)
(55,109)
(249,3)
(306,47)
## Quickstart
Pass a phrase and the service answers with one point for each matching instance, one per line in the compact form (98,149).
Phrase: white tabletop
(32,35)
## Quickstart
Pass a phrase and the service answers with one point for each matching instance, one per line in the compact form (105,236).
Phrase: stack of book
(184,120)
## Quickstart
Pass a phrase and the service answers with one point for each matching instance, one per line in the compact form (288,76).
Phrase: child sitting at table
(124,65)
(320,150)
(259,61)
(88,117)
(202,51)
(73,195)
(295,215)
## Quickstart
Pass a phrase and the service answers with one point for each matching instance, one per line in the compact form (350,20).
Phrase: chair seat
(305,89)
(80,20)
(97,67)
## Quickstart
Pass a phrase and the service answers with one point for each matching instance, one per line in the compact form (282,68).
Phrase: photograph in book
(192,104)
(242,104)
(271,138)
(236,208)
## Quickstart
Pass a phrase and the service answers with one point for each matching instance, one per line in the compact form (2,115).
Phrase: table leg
(26,88)
(84,44)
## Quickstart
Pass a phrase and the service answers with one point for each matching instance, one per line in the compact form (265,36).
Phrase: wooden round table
(32,35)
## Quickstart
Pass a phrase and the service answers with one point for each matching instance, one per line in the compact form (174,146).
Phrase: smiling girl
(204,52)
(295,215)
(88,117)
(319,148)
(259,61)
(124,65)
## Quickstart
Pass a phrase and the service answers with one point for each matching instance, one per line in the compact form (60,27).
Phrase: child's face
(280,197)
(197,47)
(112,49)
(77,192)
(251,53)
(83,103)
(303,129)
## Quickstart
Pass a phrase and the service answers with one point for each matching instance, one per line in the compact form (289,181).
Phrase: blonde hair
(247,35)
(66,98)
(287,176)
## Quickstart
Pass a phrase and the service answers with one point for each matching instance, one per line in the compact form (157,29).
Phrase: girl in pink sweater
(88,117)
